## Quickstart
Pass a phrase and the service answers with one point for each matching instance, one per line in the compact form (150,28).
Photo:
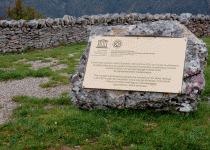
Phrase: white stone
(185,108)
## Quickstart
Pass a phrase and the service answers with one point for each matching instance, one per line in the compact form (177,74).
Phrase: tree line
(19,12)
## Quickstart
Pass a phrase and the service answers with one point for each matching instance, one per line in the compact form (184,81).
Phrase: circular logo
(117,43)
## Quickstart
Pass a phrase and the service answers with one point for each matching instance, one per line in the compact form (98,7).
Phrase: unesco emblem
(117,43)
(102,43)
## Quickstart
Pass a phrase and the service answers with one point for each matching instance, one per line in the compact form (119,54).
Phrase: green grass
(37,128)
(49,84)
(22,70)
(206,72)
(43,61)
(55,81)
(65,93)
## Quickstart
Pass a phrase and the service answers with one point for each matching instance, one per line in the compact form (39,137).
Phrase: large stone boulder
(193,78)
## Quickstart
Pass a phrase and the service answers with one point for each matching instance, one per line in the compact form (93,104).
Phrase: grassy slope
(38,128)
(207,71)
(21,69)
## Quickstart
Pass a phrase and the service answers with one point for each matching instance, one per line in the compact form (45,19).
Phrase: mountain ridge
(77,8)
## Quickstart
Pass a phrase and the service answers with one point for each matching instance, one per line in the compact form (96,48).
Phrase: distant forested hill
(77,8)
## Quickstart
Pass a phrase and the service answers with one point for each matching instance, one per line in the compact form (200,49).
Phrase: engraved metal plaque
(153,64)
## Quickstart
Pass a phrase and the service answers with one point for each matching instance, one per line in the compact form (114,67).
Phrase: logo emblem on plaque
(117,43)
(102,43)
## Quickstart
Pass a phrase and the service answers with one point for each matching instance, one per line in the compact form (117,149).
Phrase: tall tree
(31,13)
(19,12)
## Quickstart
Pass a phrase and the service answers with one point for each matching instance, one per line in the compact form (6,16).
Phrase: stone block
(22,22)
(193,78)
(32,24)
(149,16)
(49,22)
(156,16)
(66,19)
(114,17)
(56,22)
(41,23)
(185,17)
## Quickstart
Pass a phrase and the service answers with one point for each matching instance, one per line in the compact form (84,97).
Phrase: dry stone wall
(46,33)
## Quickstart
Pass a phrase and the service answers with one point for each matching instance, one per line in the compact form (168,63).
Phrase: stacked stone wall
(47,33)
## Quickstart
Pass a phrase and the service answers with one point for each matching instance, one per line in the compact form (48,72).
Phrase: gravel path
(28,86)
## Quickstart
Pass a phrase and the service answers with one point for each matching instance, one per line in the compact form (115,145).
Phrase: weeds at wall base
(32,49)
(26,50)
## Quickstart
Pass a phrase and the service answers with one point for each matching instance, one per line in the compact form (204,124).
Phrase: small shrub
(43,72)
(63,79)
(28,49)
(45,60)
(65,93)
(11,74)
(49,84)
(63,44)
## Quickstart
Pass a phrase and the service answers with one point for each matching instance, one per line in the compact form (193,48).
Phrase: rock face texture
(193,78)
